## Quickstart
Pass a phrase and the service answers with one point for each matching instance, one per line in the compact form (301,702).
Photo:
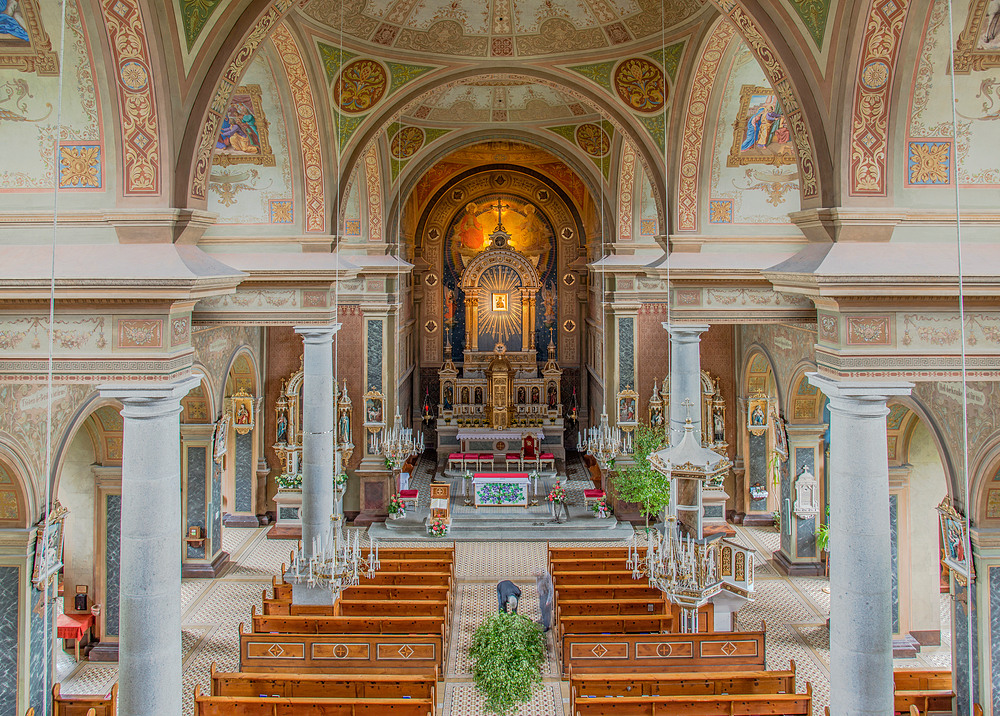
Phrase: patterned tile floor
(795,611)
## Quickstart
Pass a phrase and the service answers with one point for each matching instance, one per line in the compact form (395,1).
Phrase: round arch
(88,408)
(985,467)
(805,401)
(243,353)
(16,490)
(754,367)
(924,416)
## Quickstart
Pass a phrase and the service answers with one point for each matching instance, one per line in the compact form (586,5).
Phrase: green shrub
(507,651)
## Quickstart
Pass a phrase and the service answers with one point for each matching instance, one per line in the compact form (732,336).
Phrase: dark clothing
(505,590)
(545,592)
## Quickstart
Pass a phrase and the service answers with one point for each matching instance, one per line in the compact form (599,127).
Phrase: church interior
(680,316)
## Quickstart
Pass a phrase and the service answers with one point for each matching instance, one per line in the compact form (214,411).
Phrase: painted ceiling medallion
(360,86)
(640,84)
(406,142)
(593,139)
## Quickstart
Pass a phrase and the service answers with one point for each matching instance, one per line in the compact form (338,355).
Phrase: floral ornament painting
(500,493)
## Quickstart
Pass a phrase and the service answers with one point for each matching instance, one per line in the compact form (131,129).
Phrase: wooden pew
(608,576)
(712,651)
(357,686)
(584,607)
(391,608)
(928,689)
(313,624)
(84,705)
(588,564)
(644,684)
(631,590)
(701,704)
(255,706)
(614,624)
(353,653)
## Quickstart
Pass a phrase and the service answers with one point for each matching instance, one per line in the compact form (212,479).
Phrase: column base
(205,570)
(931,637)
(795,569)
(240,521)
(104,651)
(905,647)
(723,529)
(758,520)
(285,532)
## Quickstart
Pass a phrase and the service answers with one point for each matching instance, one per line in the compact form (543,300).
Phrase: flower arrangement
(557,494)
(500,493)
(438,527)
(287,481)
(396,506)
(340,481)
(600,508)
(758,492)
(468,474)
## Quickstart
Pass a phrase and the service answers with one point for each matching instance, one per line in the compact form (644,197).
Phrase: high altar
(499,394)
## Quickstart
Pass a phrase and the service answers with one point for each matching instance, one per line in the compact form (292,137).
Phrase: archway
(239,478)
(760,498)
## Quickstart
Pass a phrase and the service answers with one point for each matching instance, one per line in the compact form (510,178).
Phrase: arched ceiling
(500,28)
(496,98)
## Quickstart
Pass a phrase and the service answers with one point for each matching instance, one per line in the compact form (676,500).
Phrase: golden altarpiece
(500,394)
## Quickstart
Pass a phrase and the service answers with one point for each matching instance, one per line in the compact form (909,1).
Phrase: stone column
(317,432)
(149,661)
(860,570)
(685,377)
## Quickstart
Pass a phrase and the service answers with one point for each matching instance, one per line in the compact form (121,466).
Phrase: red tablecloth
(73,626)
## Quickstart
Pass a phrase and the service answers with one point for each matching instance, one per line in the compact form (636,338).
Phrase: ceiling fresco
(488,100)
(501,28)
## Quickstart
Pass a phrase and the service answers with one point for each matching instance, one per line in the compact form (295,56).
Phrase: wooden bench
(633,590)
(614,624)
(583,607)
(927,689)
(590,552)
(357,686)
(606,576)
(256,706)
(712,651)
(644,684)
(84,705)
(381,578)
(315,624)
(701,704)
(590,564)
(352,653)
(391,608)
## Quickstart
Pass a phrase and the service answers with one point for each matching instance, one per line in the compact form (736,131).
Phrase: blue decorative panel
(216,508)
(9,607)
(995,635)
(196,457)
(787,516)
(964,610)
(374,355)
(40,683)
(244,473)
(805,536)
(757,468)
(894,558)
(112,564)
(626,353)
(712,511)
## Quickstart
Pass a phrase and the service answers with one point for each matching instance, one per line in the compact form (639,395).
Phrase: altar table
(498,489)
(74,626)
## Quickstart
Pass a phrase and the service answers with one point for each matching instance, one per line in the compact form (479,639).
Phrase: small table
(74,626)
(509,488)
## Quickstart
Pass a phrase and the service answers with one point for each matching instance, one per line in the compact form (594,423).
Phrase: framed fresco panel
(243,136)
(978,46)
(760,131)
(24,44)
(954,541)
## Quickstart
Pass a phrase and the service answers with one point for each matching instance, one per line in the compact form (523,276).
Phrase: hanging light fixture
(336,564)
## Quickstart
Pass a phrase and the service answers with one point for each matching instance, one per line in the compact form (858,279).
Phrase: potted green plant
(639,482)
(507,651)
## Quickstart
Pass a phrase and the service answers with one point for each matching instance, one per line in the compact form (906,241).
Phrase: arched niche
(16,510)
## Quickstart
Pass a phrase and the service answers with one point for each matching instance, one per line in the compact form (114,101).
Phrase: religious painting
(993,505)
(375,408)
(447,396)
(221,438)
(49,546)
(242,412)
(243,137)
(535,395)
(757,407)
(24,44)
(500,301)
(780,436)
(496,284)
(954,540)
(531,234)
(553,396)
(978,46)
(760,131)
(628,413)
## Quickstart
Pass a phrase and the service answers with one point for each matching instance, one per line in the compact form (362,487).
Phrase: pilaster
(798,553)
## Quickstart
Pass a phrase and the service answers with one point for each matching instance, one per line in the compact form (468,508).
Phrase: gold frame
(266,156)
(758,400)
(38,55)
(968,56)
(736,157)
(244,399)
(620,400)
(220,438)
(949,520)
(42,574)
(504,299)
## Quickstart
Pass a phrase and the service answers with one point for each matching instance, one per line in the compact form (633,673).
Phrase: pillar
(317,432)
(200,501)
(860,569)
(685,377)
(149,662)
(797,554)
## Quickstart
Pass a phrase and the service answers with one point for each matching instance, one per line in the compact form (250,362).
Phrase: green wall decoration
(814,14)
(599,72)
(195,14)
(669,58)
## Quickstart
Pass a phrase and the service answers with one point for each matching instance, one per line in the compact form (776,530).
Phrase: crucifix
(500,208)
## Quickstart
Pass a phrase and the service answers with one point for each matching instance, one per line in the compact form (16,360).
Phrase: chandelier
(336,562)
(399,443)
(603,442)
(686,570)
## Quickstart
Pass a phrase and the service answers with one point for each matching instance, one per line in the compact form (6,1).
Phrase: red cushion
(472,456)
(548,456)
(513,456)
(408,494)
(485,456)
(593,493)
(455,456)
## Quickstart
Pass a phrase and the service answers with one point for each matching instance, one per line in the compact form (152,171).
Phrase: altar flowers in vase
(396,508)
(600,508)
(437,527)
(340,482)
(558,494)
(557,502)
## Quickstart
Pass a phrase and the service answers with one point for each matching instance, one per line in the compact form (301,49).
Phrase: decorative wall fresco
(195,15)
(751,125)
(29,95)
(251,168)
(214,348)
(497,98)
(10,606)
(930,158)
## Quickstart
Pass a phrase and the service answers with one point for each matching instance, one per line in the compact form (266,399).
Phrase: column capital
(859,396)
(318,334)
(150,400)
(685,332)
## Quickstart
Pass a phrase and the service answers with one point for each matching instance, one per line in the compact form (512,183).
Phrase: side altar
(501,393)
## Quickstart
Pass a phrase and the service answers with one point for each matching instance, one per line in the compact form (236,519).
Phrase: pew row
(356,653)
(927,689)
(614,624)
(282,590)
(256,706)
(81,705)
(700,704)
(318,624)
(712,651)
(671,684)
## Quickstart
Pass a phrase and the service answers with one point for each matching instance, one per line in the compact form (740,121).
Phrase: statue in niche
(552,396)
(718,427)
(522,396)
(281,431)
(479,396)
(449,397)
(465,396)
(535,395)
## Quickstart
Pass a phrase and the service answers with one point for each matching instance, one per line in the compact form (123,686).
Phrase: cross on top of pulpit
(687,408)
(500,208)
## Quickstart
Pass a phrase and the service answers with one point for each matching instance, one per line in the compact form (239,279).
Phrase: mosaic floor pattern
(795,610)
